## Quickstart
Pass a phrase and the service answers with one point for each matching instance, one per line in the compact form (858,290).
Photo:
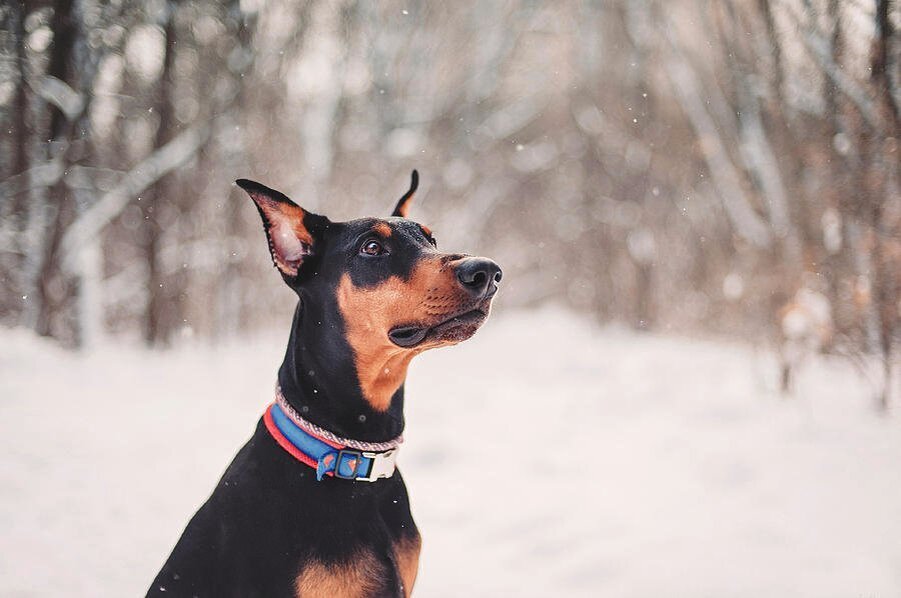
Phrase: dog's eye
(372,247)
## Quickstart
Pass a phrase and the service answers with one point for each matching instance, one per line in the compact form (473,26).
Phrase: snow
(545,457)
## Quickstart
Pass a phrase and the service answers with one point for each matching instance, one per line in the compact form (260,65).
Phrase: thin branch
(759,157)
(148,171)
(755,148)
(818,48)
(57,92)
(50,173)
(44,175)
(510,119)
(745,221)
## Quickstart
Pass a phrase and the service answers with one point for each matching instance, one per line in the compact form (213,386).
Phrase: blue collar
(328,456)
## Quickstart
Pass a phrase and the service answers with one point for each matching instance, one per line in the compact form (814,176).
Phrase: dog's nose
(479,275)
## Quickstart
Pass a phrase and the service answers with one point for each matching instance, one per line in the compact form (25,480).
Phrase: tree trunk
(883,167)
(54,289)
(230,307)
(14,210)
(19,121)
(158,319)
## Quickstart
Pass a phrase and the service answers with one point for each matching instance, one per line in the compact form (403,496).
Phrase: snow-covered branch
(745,221)
(148,171)
(818,48)
(44,175)
(58,93)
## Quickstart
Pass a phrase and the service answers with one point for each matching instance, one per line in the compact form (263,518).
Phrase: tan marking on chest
(362,577)
(406,553)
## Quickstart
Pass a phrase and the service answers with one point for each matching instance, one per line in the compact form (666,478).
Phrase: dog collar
(328,454)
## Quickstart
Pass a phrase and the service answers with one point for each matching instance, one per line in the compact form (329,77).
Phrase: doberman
(294,514)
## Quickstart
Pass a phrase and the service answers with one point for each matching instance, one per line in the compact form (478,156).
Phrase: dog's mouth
(452,330)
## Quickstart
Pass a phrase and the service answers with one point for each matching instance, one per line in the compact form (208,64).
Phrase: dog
(313,505)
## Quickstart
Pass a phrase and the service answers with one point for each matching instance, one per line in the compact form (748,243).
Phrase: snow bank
(545,457)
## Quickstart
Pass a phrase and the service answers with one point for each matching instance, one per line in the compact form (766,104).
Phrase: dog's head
(394,291)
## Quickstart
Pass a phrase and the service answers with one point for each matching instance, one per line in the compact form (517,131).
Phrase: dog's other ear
(403,204)
(292,232)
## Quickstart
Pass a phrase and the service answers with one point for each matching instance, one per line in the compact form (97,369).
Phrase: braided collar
(328,454)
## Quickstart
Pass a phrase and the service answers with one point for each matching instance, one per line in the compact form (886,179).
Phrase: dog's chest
(363,575)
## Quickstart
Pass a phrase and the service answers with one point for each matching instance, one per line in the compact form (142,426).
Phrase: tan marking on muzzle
(430,294)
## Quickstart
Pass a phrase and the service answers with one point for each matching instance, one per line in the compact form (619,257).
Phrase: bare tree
(682,165)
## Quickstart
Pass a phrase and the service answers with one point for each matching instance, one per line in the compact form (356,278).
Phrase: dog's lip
(407,336)
(412,335)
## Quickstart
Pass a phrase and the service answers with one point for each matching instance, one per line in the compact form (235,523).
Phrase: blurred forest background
(727,167)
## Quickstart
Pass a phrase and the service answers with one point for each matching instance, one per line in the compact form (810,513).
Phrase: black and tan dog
(295,513)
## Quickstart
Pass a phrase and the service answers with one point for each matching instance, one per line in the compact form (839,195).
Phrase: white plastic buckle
(383,465)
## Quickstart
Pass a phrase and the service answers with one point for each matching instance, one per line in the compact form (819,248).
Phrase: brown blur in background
(694,166)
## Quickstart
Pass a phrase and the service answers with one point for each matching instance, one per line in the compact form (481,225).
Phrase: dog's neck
(319,380)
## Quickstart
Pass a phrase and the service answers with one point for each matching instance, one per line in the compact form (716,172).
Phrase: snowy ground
(641,466)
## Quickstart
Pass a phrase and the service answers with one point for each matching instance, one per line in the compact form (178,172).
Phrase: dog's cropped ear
(403,204)
(292,232)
